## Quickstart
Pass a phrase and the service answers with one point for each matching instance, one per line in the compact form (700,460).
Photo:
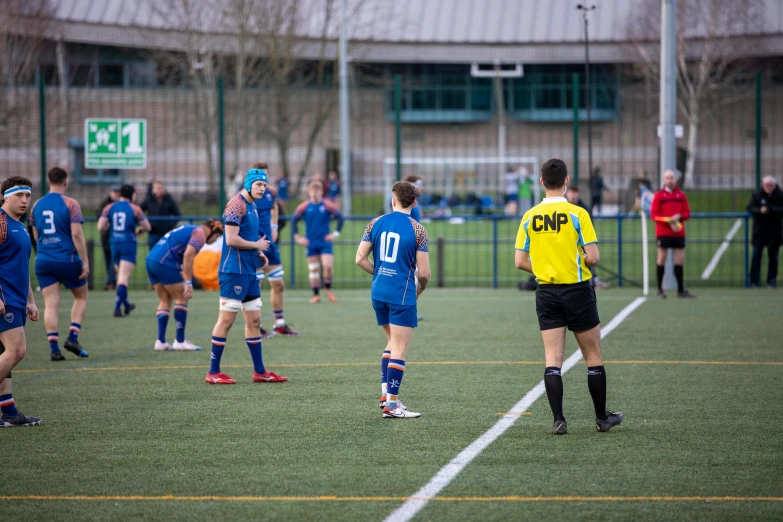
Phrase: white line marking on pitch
(721,250)
(442,478)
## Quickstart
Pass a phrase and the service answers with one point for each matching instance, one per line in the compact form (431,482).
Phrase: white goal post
(459,177)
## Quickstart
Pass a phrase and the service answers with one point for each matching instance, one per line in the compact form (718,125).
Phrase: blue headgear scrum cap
(252,176)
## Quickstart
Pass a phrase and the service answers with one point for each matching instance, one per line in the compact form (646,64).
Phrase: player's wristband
(275,227)
(189,283)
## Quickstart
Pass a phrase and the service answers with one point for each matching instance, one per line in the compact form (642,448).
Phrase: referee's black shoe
(661,294)
(612,419)
(685,295)
(559,428)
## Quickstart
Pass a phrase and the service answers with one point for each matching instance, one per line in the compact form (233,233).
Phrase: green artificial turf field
(134,434)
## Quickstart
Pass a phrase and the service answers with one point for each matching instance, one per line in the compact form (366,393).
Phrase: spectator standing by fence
(160,204)
(766,205)
(596,191)
(670,210)
(111,273)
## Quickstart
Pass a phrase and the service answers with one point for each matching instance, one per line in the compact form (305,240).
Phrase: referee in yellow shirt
(557,243)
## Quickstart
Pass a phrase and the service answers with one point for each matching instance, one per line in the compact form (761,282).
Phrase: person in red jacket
(670,210)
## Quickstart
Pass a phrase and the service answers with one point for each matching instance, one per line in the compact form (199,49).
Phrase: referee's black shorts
(571,305)
(670,242)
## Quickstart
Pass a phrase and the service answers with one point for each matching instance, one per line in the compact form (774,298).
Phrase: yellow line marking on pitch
(348,364)
(327,498)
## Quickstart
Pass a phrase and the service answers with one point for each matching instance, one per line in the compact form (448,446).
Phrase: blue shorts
(318,249)
(13,318)
(123,252)
(512,197)
(54,272)
(398,315)
(162,273)
(241,287)
(272,254)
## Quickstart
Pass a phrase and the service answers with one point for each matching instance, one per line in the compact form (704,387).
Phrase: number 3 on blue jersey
(118,221)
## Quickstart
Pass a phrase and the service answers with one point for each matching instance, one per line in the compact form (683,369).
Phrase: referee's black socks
(659,273)
(596,383)
(678,273)
(553,381)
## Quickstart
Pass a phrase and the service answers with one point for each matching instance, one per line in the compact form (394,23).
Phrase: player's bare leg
(124,270)
(225,320)
(385,364)
(590,344)
(177,293)
(277,288)
(554,349)
(252,324)
(327,262)
(51,295)
(15,344)
(314,274)
(78,311)
(399,338)
(162,314)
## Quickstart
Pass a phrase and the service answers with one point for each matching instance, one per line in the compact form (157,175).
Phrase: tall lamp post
(586,9)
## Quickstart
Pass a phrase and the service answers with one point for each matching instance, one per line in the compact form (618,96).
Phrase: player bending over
(557,243)
(170,270)
(17,301)
(267,229)
(399,244)
(239,289)
(122,217)
(61,258)
(317,214)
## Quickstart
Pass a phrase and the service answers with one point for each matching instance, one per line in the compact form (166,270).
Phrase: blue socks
(394,373)
(180,317)
(73,333)
(7,406)
(54,338)
(218,345)
(122,298)
(254,345)
(163,322)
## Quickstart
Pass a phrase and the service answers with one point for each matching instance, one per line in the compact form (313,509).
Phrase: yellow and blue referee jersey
(554,233)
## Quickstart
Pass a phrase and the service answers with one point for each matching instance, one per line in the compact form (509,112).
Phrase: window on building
(81,75)
(49,73)
(142,74)
(111,75)
(441,93)
(545,93)
(84,175)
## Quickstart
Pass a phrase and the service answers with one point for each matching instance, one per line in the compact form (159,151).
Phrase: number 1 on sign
(133,131)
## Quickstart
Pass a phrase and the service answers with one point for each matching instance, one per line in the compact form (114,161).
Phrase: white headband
(18,188)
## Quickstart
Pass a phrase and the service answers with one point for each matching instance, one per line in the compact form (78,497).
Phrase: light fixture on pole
(586,9)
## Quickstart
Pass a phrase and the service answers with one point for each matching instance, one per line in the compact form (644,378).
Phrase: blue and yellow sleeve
(523,239)
(586,227)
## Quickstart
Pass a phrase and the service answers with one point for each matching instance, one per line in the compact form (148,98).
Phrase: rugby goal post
(461,179)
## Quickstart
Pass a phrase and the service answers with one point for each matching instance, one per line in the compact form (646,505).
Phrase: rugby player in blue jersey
(398,244)
(17,301)
(61,258)
(239,288)
(122,217)
(170,270)
(267,229)
(317,215)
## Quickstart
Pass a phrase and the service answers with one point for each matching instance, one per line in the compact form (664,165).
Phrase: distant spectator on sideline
(159,203)
(511,183)
(572,195)
(766,205)
(641,180)
(418,184)
(597,188)
(282,191)
(333,189)
(670,211)
(111,273)
(525,191)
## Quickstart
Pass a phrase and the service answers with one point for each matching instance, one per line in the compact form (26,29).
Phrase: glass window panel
(111,75)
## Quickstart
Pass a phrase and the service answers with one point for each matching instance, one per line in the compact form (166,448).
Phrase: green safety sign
(115,143)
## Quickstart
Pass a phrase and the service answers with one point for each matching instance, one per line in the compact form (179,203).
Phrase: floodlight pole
(345,117)
(586,9)
(498,82)
(668,108)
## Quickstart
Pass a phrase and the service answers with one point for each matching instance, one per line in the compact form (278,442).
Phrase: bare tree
(711,49)
(199,62)
(23,26)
